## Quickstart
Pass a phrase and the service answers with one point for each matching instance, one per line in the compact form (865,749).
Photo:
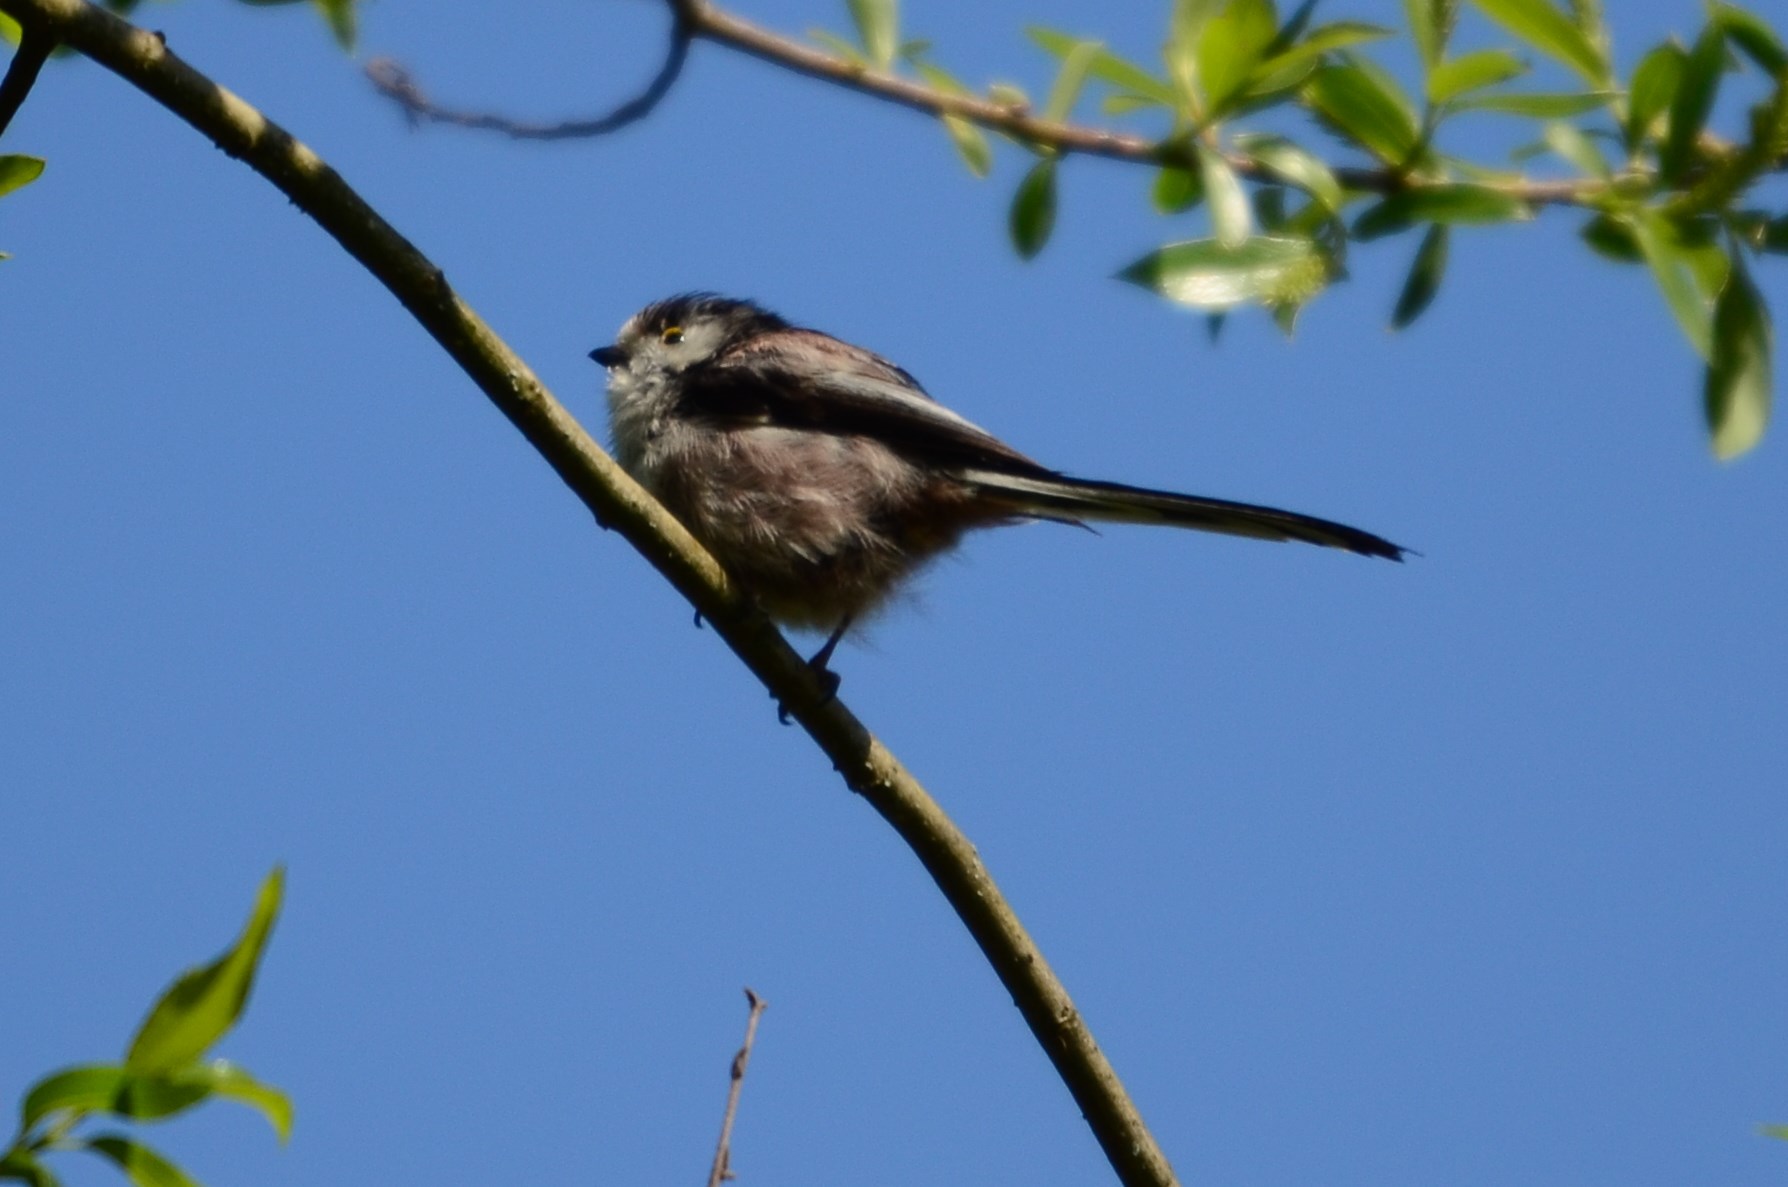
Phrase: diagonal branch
(35,47)
(867,767)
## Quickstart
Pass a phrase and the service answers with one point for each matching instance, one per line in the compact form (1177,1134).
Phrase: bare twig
(35,46)
(396,83)
(723,1154)
(618,502)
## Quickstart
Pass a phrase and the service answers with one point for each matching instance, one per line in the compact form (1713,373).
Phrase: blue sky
(1468,870)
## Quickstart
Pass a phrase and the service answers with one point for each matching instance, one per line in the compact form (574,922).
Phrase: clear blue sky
(1465,871)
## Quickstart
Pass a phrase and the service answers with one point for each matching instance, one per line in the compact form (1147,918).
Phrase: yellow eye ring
(671,335)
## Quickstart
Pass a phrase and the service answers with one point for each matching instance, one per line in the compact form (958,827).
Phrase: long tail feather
(1078,498)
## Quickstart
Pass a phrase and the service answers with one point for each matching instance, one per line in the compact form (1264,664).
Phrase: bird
(823,477)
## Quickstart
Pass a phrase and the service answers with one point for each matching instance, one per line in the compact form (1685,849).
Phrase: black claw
(698,620)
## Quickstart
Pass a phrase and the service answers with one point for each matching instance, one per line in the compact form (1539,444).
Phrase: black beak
(609,356)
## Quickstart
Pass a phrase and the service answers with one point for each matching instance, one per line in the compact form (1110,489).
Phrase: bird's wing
(803,379)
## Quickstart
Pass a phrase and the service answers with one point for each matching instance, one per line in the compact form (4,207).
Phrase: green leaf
(1123,103)
(1231,45)
(1538,104)
(971,143)
(878,29)
(88,1088)
(1033,209)
(17,170)
(22,1165)
(142,1165)
(1292,65)
(1571,144)
(1693,102)
(1774,1131)
(1303,169)
(1105,66)
(1424,29)
(1612,239)
(1206,274)
(232,1082)
(1653,90)
(340,16)
(1775,236)
(1231,216)
(1473,72)
(1689,274)
(1551,32)
(1737,391)
(1364,106)
(1424,278)
(9,30)
(838,47)
(1753,35)
(1176,190)
(205,1002)
(1070,80)
(1453,204)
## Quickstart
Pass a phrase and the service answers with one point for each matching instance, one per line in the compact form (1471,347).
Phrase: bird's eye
(671,335)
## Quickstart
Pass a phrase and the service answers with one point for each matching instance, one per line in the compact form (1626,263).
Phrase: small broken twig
(397,84)
(723,1155)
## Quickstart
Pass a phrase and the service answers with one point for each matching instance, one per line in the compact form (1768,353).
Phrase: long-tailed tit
(823,476)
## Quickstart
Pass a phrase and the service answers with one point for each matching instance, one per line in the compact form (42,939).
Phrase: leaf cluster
(1654,184)
(164,1073)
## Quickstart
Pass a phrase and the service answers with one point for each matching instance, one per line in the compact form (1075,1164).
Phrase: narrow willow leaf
(1612,239)
(1231,218)
(1205,274)
(1070,80)
(1653,90)
(1453,204)
(1551,32)
(1008,94)
(1176,190)
(1285,316)
(1303,169)
(1293,29)
(1775,236)
(971,143)
(1033,209)
(838,47)
(232,1082)
(205,1002)
(1230,47)
(341,19)
(140,1164)
(1364,107)
(1737,391)
(1689,276)
(17,170)
(878,28)
(1774,1131)
(1105,66)
(1424,279)
(1753,35)
(1538,105)
(1292,65)
(89,1088)
(1693,102)
(1424,29)
(1123,103)
(1571,144)
(9,30)
(1473,72)
(19,1163)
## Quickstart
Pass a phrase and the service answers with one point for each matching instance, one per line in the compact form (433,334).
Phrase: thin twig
(35,46)
(396,83)
(723,1154)
(866,766)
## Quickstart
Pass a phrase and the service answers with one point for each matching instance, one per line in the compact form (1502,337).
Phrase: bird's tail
(1060,497)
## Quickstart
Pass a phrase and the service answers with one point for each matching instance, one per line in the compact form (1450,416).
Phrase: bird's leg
(829,680)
